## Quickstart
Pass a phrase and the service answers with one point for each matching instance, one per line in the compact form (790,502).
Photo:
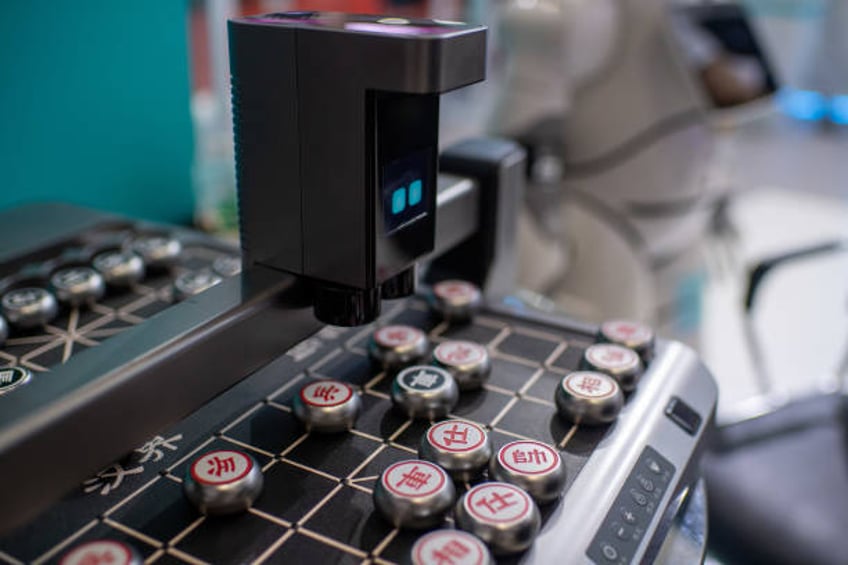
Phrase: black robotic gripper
(336,135)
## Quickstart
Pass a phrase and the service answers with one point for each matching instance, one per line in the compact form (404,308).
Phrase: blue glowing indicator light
(399,200)
(839,109)
(415,190)
(804,105)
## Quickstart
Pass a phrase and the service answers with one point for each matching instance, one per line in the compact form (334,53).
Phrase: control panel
(634,508)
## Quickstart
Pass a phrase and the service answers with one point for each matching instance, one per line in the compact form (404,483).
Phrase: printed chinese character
(104,558)
(452,290)
(613,356)
(460,353)
(455,435)
(424,379)
(627,329)
(497,502)
(72,277)
(453,549)
(109,479)
(219,466)
(398,335)
(23,297)
(327,393)
(537,456)
(111,260)
(414,479)
(153,448)
(589,385)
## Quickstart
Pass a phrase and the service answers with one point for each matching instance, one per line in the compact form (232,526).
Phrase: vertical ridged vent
(235,99)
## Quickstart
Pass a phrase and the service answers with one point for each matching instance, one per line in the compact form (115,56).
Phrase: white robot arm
(620,183)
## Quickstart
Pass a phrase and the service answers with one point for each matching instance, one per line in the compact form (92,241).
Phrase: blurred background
(675,146)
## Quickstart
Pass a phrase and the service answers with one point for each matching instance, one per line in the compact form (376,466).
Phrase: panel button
(654,467)
(636,505)
(646,483)
(609,552)
(638,497)
(628,516)
(622,532)
(683,415)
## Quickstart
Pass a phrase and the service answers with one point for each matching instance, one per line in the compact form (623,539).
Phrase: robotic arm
(615,123)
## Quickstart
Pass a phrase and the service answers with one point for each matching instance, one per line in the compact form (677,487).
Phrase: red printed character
(460,353)
(394,336)
(613,356)
(589,385)
(100,552)
(325,392)
(497,502)
(453,549)
(415,479)
(455,434)
(453,289)
(218,466)
(535,457)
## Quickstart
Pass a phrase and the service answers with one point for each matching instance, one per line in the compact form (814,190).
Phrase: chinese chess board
(316,503)
(78,328)
(317,495)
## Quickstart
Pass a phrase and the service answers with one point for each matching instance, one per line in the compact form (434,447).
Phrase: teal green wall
(94,105)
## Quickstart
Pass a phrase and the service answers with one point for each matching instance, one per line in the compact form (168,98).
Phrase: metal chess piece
(587,397)
(422,391)
(29,307)
(327,406)
(501,514)
(467,361)
(223,482)
(414,494)
(461,448)
(532,465)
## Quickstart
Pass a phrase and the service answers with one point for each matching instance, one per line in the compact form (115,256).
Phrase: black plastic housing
(333,114)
